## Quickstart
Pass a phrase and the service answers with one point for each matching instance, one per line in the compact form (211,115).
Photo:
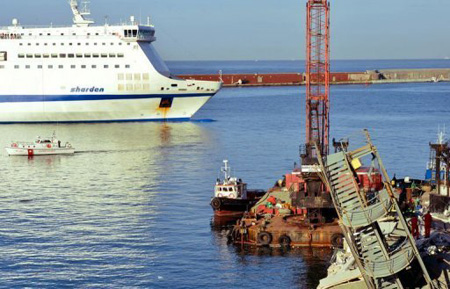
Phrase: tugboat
(41,146)
(231,196)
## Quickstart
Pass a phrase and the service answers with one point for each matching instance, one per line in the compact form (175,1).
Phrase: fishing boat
(231,196)
(41,146)
(88,73)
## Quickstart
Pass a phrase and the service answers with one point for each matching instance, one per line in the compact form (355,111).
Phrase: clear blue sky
(265,29)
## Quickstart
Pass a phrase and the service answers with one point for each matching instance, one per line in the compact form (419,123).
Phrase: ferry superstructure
(86,73)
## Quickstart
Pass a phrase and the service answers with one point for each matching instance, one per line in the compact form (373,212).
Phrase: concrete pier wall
(367,77)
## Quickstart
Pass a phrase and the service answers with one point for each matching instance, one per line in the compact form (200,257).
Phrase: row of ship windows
(71,55)
(130,87)
(70,43)
(71,66)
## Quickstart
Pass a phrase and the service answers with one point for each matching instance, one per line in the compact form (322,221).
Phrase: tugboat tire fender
(264,238)
(216,203)
(336,240)
(284,241)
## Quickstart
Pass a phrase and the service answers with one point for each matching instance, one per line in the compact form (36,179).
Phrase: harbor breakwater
(367,77)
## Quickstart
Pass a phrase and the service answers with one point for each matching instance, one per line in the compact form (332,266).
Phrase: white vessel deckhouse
(85,73)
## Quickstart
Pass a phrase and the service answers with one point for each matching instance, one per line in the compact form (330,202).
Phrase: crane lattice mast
(317,77)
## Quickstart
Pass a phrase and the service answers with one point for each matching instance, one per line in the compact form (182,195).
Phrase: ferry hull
(145,108)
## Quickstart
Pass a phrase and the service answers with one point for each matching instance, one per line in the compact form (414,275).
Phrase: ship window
(70,44)
(120,55)
(21,55)
(2,66)
(105,66)
(146,86)
(120,76)
(121,87)
(104,55)
(48,34)
(134,33)
(74,34)
(29,55)
(62,44)
(16,66)
(162,88)
(95,43)
(129,76)
(37,44)
(112,55)
(39,66)
(62,34)
(94,66)
(166,102)
(87,55)
(46,55)
(103,43)
(127,66)
(50,66)
(137,86)
(71,55)
(97,35)
(54,55)
(78,44)
(21,44)
(112,43)
(83,66)
(117,66)
(174,85)
(29,44)
(87,44)
(79,55)
(128,43)
(129,86)
(54,44)
(89,34)
(120,43)
(137,76)
(72,66)
(27,66)
(145,76)
(95,55)
(40,34)
(62,55)
(37,55)
(61,66)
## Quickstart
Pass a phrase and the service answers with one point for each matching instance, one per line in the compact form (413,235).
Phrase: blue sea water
(131,209)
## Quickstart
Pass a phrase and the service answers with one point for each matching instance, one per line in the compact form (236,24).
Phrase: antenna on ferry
(79,16)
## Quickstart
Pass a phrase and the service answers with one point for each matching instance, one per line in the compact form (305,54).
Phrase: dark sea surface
(131,208)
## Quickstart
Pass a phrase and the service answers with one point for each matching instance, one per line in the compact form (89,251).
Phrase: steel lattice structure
(317,77)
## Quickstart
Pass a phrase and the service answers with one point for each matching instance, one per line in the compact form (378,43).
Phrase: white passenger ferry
(85,73)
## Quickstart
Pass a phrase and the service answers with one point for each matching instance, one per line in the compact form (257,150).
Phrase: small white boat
(41,146)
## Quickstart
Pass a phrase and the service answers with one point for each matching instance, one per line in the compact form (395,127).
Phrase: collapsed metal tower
(371,220)
(317,78)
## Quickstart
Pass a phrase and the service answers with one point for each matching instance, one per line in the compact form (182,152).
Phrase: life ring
(220,195)
(337,240)
(232,196)
(264,238)
(49,145)
(216,203)
(14,145)
(284,241)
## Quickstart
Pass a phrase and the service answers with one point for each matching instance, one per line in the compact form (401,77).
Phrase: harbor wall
(367,77)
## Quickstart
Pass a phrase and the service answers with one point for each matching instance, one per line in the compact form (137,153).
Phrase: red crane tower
(317,79)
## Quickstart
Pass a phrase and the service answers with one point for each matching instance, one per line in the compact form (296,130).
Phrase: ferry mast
(317,79)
